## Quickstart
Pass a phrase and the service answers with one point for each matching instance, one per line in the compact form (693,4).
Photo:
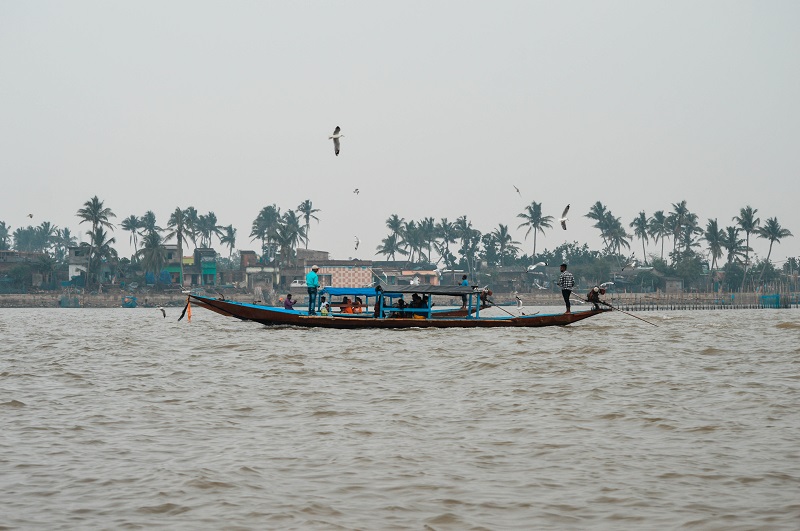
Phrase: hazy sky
(445,107)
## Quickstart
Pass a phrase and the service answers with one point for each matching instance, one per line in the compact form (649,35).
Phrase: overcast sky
(445,107)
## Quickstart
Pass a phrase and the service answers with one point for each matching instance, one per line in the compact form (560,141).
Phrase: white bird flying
(163,313)
(630,265)
(537,285)
(335,137)
(537,264)
(517,189)
(357,243)
(563,220)
(606,284)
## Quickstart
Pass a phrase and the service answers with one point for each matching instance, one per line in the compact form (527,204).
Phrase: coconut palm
(389,247)
(147,223)
(772,231)
(427,227)
(265,226)
(132,224)
(99,247)
(308,212)
(714,237)
(658,227)
(64,240)
(535,222)
(615,235)
(192,224)
(177,227)
(733,244)
(208,227)
(600,214)
(95,212)
(446,234)
(229,239)
(5,236)
(748,222)
(152,256)
(640,226)
(507,247)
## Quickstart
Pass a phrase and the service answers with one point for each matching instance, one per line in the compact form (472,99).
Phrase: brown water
(120,419)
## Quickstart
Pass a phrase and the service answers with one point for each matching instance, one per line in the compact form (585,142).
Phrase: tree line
(453,244)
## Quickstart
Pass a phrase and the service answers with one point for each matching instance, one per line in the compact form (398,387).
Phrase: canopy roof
(428,289)
(422,289)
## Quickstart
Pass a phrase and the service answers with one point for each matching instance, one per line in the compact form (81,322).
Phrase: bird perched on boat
(517,189)
(537,264)
(563,219)
(335,137)
(163,312)
(357,243)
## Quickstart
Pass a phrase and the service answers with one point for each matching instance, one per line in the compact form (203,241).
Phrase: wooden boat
(385,311)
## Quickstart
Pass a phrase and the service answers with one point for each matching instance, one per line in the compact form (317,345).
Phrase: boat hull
(272,316)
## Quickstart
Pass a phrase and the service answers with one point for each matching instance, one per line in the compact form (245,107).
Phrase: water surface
(120,419)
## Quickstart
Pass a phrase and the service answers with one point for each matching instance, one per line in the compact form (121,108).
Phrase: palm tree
(5,236)
(64,240)
(289,234)
(132,224)
(94,212)
(46,235)
(308,211)
(733,244)
(535,222)
(505,243)
(659,229)
(616,235)
(773,232)
(446,232)
(100,249)
(748,222)
(265,226)
(427,228)
(413,241)
(599,213)
(676,220)
(229,239)
(152,255)
(207,228)
(640,226)
(389,247)
(98,215)
(192,224)
(714,236)
(147,223)
(177,227)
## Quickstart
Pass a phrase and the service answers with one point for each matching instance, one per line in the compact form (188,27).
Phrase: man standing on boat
(312,284)
(566,281)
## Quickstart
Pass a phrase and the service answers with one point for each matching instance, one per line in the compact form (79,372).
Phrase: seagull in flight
(30,215)
(335,137)
(606,284)
(631,265)
(537,264)
(163,313)
(357,243)
(563,219)
(517,189)
(356,191)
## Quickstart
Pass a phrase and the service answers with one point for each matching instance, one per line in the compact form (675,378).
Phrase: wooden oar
(490,301)
(617,309)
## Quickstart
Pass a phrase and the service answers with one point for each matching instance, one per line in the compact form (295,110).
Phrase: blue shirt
(464,282)
(312,279)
